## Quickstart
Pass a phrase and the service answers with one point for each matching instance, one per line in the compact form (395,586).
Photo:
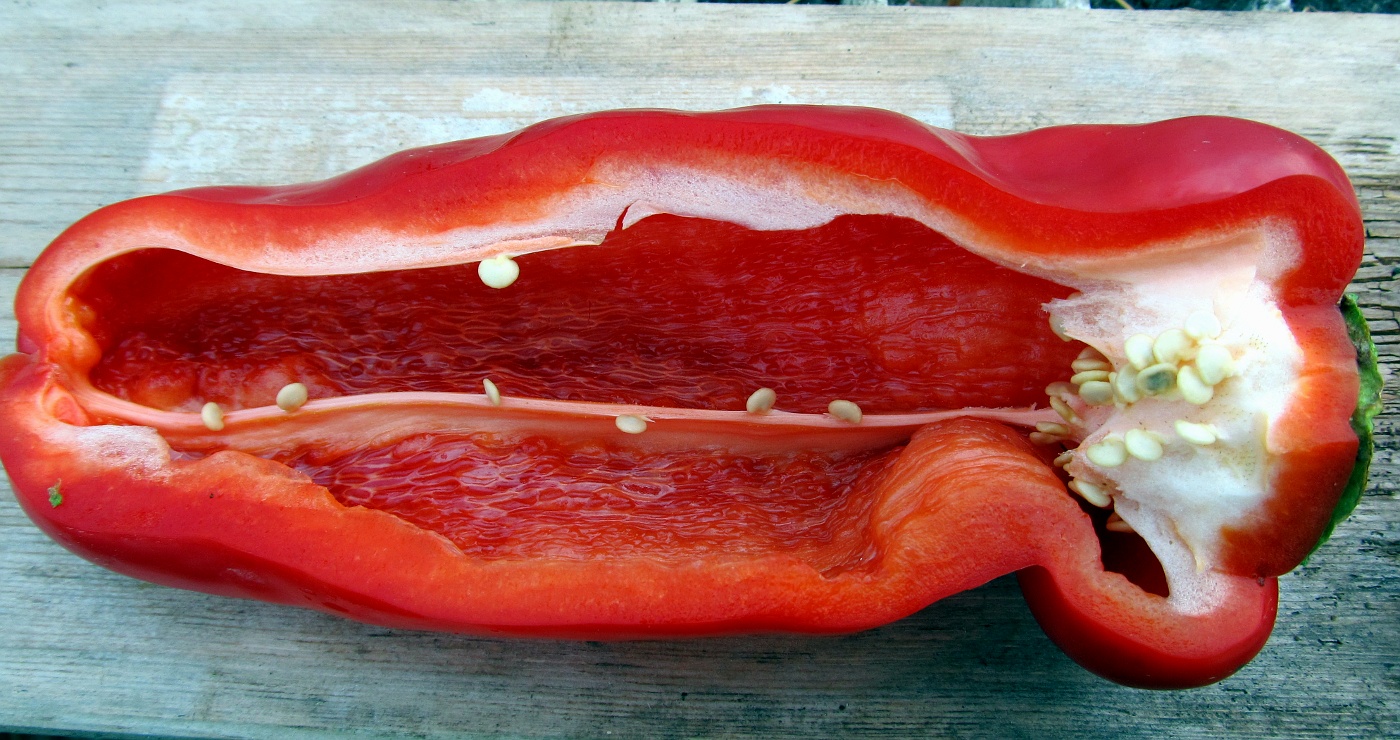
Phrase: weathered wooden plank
(243,85)
(9,283)
(86,84)
(263,128)
(97,651)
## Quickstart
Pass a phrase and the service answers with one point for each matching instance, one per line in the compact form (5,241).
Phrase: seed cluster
(1180,364)
(1185,363)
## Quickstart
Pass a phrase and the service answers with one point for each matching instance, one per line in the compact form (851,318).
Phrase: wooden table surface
(107,101)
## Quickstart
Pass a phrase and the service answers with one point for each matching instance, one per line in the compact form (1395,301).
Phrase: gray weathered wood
(106,103)
(86,87)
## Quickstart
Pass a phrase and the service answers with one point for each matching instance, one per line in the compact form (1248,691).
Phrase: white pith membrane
(1179,493)
(1178,503)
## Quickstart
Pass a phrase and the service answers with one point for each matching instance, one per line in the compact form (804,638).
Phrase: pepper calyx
(1368,404)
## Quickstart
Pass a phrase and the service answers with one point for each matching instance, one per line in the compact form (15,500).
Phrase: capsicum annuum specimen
(654,373)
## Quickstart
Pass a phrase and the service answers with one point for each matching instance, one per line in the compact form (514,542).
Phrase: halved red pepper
(628,282)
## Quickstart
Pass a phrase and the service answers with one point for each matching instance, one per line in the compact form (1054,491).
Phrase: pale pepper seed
(1115,523)
(292,397)
(1142,445)
(1088,375)
(1173,346)
(631,423)
(761,401)
(213,416)
(1196,434)
(1215,363)
(1091,493)
(1193,388)
(498,272)
(1138,348)
(1157,379)
(1108,453)
(845,411)
(1063,409)
(1096,392)
(493,394)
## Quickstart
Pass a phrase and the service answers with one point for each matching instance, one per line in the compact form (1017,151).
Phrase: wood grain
(103,104)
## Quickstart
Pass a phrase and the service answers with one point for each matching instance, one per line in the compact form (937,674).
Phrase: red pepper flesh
(670,264)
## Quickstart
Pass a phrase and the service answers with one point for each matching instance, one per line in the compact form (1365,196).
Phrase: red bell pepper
(628,282)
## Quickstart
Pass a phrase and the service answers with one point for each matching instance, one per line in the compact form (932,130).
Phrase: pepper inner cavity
(672,312)
(528,497)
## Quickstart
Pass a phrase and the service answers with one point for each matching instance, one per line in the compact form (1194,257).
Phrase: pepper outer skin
(968,500)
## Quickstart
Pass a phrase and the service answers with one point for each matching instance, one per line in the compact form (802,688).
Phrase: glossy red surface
(963,502)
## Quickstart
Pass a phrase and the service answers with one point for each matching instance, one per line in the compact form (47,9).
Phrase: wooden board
(107,102)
